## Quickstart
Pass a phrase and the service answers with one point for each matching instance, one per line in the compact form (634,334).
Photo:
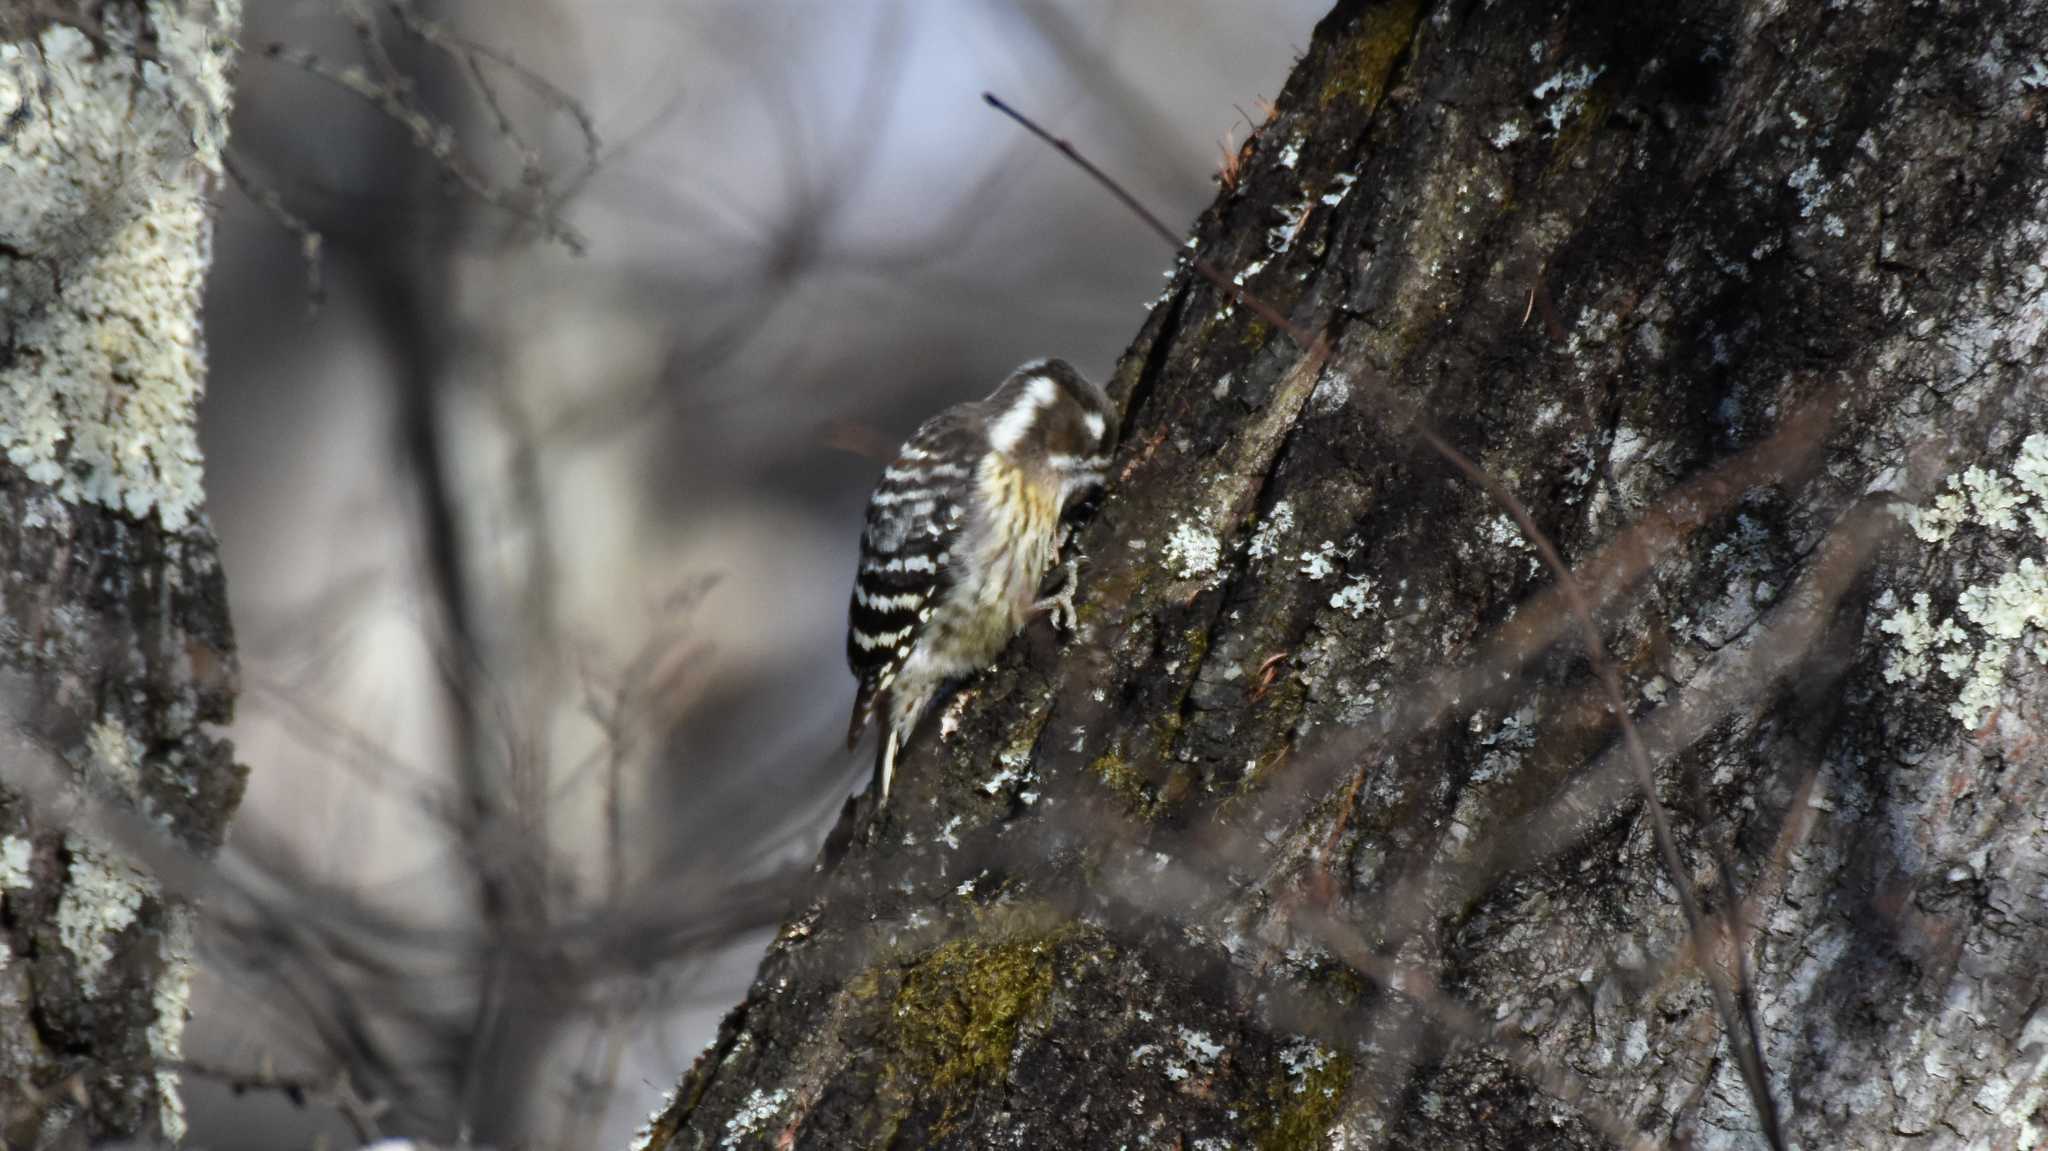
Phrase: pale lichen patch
(173,1003)
(1993,501)
(1280,236)
(2008,614)
(1628,445)
(1503,532)
(1569,88)
(1320,564)
(1356,598)
(1266,540)
(1199,1046)
(760,1107)
(1302,1058)
(15,853)
(1939,520)
(2030,471)
(1811,187)
(1192,552)
(1919,638)
(116,756)
(2013,605)
(102,897)
(100,396)
(1014,767)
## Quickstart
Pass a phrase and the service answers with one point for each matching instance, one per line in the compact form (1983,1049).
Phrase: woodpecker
(962,530)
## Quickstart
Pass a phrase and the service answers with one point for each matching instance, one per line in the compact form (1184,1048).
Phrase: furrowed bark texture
(1745,301)
(119,660)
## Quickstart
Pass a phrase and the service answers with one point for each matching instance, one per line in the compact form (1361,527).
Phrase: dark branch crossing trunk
(1319,833)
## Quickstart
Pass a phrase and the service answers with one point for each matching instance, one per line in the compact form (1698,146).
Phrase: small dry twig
(385,87)
(360,1112)
(264,196)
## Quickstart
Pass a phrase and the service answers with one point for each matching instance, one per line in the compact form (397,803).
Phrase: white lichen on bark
(2004,615)
(108,158)
(101,900)
(14,856)
(167,1029)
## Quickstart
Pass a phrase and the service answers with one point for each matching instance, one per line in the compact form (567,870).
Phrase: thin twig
(472,53)
(436,139)
(1237,293)
(335,1090)
(266,197)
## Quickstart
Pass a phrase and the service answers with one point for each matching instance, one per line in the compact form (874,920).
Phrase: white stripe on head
(1077,481)
(1095,425)
(1009,429)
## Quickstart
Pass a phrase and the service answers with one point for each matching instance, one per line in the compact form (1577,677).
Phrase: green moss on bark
(1369,57)
(959,1007)
(1305,1105)
(957,1010)
(1115,773)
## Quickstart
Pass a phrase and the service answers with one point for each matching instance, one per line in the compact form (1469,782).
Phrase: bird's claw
(1059,608)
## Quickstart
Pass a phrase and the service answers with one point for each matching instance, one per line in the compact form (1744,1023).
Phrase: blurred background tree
(117,664)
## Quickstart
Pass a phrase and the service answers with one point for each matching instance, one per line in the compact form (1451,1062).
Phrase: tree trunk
(116,640)
(1322,831)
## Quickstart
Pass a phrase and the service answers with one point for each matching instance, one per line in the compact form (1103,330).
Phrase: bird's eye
(1081,504)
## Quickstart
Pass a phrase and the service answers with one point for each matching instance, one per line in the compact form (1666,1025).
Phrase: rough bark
(119,660)
(1745,301)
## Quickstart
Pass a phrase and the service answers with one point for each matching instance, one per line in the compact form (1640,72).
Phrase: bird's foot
(1059,607)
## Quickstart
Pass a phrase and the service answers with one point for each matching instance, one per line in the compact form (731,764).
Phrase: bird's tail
(885,764)
(906,705)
